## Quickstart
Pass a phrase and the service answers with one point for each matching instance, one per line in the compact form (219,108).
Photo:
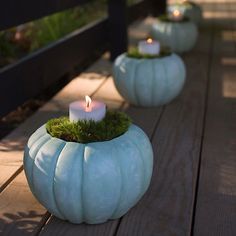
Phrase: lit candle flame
(176,13)
(149,40)
(18,36)
(88,102)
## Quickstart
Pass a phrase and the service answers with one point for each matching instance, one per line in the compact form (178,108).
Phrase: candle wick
(87,102)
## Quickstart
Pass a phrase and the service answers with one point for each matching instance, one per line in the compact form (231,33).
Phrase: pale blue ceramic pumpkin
(179,36)
(188,9)
(149,82)
(90,182)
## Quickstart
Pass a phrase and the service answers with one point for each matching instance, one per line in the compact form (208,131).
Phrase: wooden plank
(20,213)
(27,10)
(59,227)
(216,202)
(146,118)
(11,147)
(102,67)
(167,207)
(108,92)
(140,30)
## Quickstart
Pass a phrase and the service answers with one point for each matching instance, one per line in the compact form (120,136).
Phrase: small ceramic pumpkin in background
(90,182)
(180,36)
(149,82)
(188,9)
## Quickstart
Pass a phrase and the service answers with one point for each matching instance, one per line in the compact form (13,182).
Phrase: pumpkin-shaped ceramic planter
(149,82)
(90,182)
(188,9)
(179,36)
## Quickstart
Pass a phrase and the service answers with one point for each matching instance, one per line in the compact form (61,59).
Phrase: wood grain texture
(167,207)
(216,199)
(20,213)
(146,118)
(108,92)
(58,227)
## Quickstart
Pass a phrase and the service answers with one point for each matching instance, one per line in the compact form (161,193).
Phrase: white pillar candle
(149,46)
(175,15)
(87,110)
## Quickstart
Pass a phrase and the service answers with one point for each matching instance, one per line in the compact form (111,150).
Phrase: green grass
(113,125)
(40,33)
(9,50)
(134,53)
(53,27)
(165,18)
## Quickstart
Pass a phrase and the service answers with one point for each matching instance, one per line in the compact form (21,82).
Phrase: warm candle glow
(87,109)
(149,40)
(88,102)
(149,46)
(18,36)
(176,13)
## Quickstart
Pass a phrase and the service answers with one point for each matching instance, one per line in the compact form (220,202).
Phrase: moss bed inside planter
(113,125)
(134,53)
(165,18)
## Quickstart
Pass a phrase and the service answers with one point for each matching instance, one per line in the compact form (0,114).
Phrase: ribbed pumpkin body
(149,82)
(90,182)
(179,36)
(192,11)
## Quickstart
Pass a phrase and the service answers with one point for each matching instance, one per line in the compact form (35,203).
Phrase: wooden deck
(193,188)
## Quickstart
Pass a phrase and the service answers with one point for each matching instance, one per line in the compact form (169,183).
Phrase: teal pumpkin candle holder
(149,80)
(188,9)
(88,181)
(179,34)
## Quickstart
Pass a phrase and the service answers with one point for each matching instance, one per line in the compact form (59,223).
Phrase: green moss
(165,18)
(134,53)
(113,125)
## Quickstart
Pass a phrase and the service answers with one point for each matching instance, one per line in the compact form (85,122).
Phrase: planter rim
(149,59)
(188,4)
(95,183)
(175,22)
(105,141)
